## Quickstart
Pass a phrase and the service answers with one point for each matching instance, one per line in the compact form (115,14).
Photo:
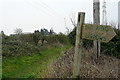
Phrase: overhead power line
(39,7)
(49,8)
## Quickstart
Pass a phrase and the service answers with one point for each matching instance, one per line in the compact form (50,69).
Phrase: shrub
(17,48)
(112,48)
(27,44)
(72,36)
(51,39)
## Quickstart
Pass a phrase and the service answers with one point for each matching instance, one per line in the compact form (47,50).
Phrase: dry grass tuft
(62,68)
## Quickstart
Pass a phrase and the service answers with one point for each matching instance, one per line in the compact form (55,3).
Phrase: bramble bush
(17,48)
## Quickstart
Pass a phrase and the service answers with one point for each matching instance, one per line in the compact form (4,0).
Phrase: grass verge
(31,66)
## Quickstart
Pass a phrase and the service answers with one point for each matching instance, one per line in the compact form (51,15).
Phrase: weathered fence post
(78,46)
(96,20)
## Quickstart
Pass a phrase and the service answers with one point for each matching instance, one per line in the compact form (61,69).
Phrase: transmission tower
(104,15)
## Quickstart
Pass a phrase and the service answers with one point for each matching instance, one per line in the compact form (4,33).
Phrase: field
(31,66)
(52,56)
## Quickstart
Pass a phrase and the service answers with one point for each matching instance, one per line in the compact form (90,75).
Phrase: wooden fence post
(78,46)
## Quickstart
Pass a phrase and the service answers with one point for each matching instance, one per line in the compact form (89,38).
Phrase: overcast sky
(30,15)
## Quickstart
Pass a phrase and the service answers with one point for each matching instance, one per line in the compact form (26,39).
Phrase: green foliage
(61,38)
(36,38)
(26,44)
(72,36)
(15,48)
(87,43)
(112,48)
(26,38)
(31,76)
(50,39)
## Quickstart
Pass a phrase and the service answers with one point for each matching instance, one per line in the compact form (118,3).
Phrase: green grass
(0,67)
(31,66)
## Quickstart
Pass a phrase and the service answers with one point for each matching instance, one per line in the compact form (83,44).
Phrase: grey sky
(31,15)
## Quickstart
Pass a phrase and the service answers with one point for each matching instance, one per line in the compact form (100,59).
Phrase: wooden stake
(78,46)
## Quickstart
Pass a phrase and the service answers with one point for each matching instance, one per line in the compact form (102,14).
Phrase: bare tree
(68,30)
(18,31)
(72,19)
